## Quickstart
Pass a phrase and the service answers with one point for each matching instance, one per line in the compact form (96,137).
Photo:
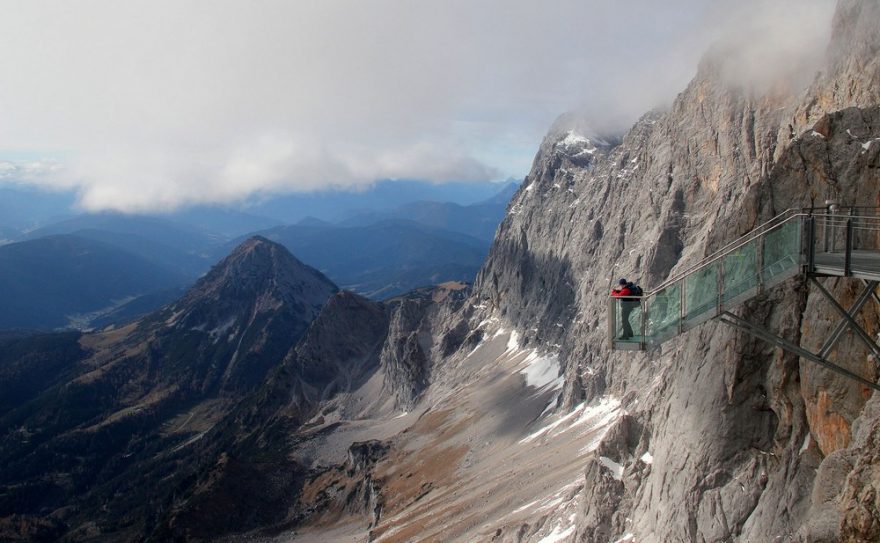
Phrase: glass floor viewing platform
(845,243)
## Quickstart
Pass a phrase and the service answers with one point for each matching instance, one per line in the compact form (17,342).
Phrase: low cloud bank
(163,104)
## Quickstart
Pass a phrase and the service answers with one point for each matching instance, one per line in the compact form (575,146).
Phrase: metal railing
(796,241)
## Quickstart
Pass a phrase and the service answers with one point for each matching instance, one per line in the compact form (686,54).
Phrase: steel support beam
(866,339)
(762,334)
(842,325)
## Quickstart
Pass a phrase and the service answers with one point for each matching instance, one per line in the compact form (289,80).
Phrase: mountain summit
(144,392)
(259,277)
(498,413)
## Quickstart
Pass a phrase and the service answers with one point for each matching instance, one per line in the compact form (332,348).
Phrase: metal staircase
(812,243)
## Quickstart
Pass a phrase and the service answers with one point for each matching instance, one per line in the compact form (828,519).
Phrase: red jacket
(622,293)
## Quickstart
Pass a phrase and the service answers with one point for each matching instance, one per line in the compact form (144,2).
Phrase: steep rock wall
(736,428)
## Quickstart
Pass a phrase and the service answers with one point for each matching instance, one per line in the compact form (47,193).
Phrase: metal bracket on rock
(847,320)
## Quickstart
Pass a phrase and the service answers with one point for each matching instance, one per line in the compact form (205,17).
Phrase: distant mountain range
(479,220)
(24,208)
(383,196)
(63,280)
(386,258)
(177,247)
(106,268)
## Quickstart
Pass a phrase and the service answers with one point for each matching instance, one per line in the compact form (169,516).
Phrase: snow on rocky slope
(504,416)
(714,437)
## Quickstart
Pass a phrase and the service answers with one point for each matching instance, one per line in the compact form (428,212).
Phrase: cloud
(159,104)
(785,47)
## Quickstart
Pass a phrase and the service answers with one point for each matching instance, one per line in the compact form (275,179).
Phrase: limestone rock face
(440,414)
(412,346)
(736,428)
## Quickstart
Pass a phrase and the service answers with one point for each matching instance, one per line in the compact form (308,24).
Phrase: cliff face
(501,414)
(736,429)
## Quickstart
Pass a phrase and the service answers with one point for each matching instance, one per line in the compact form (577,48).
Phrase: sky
(145,106)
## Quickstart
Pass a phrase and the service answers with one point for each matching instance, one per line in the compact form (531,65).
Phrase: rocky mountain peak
(258,276)
(259,263)
(574,138)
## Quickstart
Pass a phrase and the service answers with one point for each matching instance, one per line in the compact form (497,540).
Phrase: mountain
(25,208)
(381,196)
(500,413)
(383,259)
(181,248)
(57,281)
(478,220)
(724,437)
(346,368)
(229,223)
(104,416)
(8,235)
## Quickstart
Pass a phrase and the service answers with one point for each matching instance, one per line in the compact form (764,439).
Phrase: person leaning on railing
(628,294)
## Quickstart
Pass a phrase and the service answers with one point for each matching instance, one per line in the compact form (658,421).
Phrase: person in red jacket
(624,290)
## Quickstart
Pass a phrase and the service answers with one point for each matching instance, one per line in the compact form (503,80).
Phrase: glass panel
(664,313)
(782,250)
(831,234)
(865,242)
(701,291)
(627,320)
(740,271)
(866,231)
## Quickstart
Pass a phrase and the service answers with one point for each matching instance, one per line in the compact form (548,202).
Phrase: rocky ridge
(106,418)
(502,415)
(735,428)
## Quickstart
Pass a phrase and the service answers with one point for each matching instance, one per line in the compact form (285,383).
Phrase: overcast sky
(150,105)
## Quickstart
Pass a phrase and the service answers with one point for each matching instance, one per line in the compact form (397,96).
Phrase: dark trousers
(626,309)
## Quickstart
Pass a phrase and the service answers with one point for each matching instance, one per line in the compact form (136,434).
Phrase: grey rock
(728,415)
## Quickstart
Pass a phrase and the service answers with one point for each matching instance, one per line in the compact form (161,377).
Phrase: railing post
(759,261)
(847,258)
(681,293)
(644,330)
(811,244)
(612,321)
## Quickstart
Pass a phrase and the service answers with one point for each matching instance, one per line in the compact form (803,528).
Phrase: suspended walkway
(810,243)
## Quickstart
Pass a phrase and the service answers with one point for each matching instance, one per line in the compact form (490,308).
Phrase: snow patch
(558,534)
(512,341)
(817,135)
(222,328)
(541,371)
(584,418)
(173,318)
(526,507)
(573,138)
(867,144)
(550,502)
(647,458)
(625,538)
(612,466)
(550,405)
